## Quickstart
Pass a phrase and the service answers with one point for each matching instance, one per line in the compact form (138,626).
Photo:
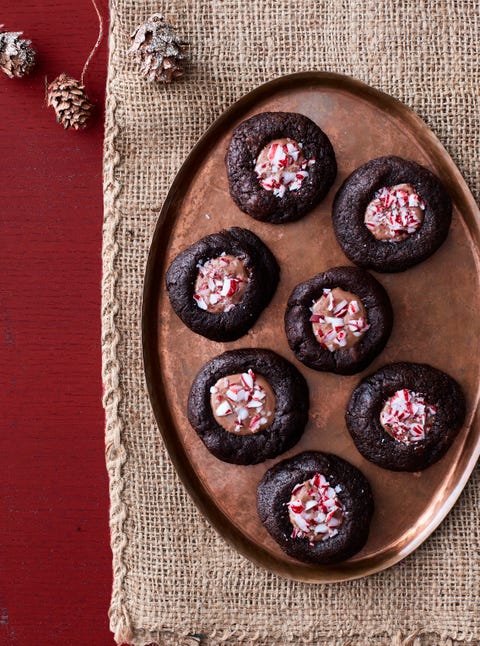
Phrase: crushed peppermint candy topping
(407,416)
(243,403)
(394,213)
(314,509)
(281,166)
(220,283)
(339,319)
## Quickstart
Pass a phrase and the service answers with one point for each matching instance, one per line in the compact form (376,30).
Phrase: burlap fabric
(172,574)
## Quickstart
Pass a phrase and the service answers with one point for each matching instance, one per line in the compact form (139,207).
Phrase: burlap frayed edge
(115,451)
(234,637)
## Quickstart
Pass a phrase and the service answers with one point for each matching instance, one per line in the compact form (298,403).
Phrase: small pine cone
(67,97)
(17,57)
(158,49)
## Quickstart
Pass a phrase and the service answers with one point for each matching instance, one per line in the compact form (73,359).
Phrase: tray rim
(466,203)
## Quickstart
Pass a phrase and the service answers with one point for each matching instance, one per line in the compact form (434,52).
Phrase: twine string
(97,44)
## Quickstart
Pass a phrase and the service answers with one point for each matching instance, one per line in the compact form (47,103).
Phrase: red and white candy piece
(223,410)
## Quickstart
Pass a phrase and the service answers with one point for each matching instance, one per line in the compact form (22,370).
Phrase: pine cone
(16,56)
(159,51)
(67,97)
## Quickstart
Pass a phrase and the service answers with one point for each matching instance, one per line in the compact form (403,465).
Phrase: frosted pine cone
(158,49)
(17,57)
(67,97)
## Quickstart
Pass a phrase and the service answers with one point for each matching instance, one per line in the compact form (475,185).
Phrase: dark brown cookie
(291,409)
(248,140)
(369,398)
(359,189)
(353,492)
(260,265)
(348,360)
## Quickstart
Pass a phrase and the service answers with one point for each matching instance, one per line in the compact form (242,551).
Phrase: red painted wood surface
(55,565)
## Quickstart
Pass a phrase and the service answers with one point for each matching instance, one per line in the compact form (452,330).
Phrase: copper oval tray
(436,307)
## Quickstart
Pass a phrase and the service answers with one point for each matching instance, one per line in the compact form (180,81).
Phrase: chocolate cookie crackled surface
(248,405)
(339,320)
(317,507)
(405,416)
(279,166)
(220,285)
(391,214)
